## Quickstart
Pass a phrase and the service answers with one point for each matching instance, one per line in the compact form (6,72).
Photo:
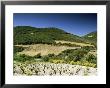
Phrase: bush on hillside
(18,49)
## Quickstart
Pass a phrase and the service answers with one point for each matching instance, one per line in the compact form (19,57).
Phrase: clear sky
(75,23)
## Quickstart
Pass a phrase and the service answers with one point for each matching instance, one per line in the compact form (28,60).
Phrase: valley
(51,50)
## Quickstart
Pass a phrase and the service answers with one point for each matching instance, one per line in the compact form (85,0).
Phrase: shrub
(38,55)
(91,58)
(86,63)
(88,48)
(18,49)
(89,64)
(56,61)
(45,58)
(74,54)
(72,62)
(23,58)
(51,55)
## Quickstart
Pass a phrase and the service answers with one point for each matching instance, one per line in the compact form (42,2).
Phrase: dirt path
(81,44)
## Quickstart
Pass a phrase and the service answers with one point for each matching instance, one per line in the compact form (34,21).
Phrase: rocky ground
(43,69)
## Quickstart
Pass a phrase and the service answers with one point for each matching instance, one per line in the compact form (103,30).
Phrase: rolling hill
(32,35)
(91,38)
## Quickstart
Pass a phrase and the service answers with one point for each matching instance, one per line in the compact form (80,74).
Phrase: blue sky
(75,23)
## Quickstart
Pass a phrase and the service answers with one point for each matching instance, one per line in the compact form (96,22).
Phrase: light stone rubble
(44,69)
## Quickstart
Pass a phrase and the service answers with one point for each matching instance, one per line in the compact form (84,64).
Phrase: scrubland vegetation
(72,56)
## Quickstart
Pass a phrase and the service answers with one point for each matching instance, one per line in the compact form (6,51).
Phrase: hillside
(91,36)
(52,51)
(31,35)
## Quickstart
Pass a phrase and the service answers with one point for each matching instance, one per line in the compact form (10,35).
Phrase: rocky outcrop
(43,69)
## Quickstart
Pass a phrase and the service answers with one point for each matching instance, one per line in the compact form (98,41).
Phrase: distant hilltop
(91,36)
